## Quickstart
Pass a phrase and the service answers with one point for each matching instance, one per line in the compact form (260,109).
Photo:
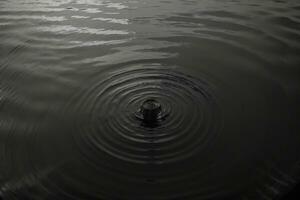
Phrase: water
(74,73)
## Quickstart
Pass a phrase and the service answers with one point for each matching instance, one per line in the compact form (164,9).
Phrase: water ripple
(74,74)
(81,30)
(119,127)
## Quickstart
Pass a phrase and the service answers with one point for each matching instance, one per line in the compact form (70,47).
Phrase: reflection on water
(73,73)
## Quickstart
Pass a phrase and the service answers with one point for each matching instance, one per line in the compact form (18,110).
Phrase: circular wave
(110,125)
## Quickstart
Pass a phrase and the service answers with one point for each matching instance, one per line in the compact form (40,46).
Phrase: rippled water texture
(74,74)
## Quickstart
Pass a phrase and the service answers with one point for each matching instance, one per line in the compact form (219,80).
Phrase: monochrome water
(149,100)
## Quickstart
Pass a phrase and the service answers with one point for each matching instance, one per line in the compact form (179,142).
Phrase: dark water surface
(74,73)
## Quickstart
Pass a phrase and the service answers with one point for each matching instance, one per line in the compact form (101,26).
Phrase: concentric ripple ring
(110,126)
